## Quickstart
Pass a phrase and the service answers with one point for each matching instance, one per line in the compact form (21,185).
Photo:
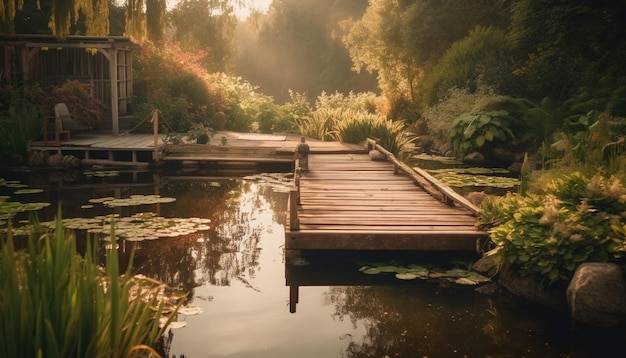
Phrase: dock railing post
(294,223)
(303,155)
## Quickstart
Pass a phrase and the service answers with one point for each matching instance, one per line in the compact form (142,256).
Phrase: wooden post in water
(155,132)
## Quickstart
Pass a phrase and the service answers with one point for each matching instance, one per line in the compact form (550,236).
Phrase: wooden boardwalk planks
(348,201)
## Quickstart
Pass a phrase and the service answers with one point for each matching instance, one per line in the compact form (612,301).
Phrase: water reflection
(236,273)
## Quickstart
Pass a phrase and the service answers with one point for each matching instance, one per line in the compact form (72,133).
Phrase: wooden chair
(60,125)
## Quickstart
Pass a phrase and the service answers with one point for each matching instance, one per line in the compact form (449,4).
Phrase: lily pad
(407,276)
(457,273)
(371,271)
(465,281)
(190,310)
(28,191)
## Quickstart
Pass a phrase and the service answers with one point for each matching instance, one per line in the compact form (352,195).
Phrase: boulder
(503,156)
(474,158)
(36,158)
(70,161)
(551,297)
(377,156)
(597,295)
(55,160)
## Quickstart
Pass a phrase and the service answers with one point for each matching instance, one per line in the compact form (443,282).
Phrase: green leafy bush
(473,130)
(546,237)
(439,118)
(484,56)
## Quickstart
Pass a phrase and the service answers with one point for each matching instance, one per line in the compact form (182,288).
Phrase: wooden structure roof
(104,64)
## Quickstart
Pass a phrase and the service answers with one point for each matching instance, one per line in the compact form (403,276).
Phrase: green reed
(57,303)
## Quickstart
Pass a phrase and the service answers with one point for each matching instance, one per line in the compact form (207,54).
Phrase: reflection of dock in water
(342,268)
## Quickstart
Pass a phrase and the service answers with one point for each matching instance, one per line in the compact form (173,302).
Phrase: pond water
(253,305)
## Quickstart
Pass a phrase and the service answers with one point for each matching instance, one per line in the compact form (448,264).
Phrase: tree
(299,44)
(208,26)
(402,40)
(144,18)
(565,44)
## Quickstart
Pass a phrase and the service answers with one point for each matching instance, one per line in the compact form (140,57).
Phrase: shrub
(483,56)
(83,107)
(579,219)
(319,124)
(473,130)
(355,127)
(439,118)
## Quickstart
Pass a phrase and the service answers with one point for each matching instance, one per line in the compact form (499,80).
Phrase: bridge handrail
(426,181)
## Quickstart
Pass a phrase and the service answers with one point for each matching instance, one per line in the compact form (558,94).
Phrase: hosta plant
(476,129)
(546,237)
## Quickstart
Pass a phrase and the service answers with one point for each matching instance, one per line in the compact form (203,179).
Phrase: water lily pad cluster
(425,272)
(480,177)
(138,227)
(133,200)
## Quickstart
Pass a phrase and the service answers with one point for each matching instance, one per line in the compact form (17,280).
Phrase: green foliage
(56,303)
(169,80)
(206,24)
(319,124)
(596,138)
(579,219)
(514,123)
(483,57)
(439,118)
(474,130)
(608,94)
(18,127)
(355,127)
(353,119)
(572,46)
(245,105)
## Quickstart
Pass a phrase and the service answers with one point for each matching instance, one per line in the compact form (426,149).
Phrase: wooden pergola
(103,64)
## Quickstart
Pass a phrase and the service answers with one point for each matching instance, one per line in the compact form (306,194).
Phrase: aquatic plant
(546,237)
(424,272)
(476,177)
(56,303)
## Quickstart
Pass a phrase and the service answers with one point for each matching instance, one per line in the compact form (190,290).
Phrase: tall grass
(349,125)
(318,124)
(57,303)
(21,124)
(356,127)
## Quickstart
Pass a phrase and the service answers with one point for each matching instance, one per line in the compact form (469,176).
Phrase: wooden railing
(426,181)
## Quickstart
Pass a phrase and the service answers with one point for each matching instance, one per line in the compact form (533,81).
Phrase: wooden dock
(139,150)
(351,202)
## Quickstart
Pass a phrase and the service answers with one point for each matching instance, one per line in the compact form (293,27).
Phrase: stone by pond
(234,274)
